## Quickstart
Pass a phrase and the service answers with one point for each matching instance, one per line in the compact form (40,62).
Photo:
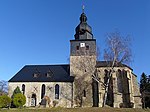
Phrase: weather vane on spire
(83,7)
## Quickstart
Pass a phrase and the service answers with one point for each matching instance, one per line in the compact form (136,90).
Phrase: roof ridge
(47,65)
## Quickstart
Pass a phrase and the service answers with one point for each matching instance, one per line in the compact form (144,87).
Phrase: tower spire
(83,7)
(83,17)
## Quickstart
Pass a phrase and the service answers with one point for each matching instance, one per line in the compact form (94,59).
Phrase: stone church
(72,85)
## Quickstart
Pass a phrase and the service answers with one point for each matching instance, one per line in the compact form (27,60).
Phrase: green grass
(76,110)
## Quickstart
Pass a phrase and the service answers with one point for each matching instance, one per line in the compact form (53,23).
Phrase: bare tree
(118,51)
(3,87)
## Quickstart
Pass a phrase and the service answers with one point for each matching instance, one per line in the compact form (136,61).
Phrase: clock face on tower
(82,44)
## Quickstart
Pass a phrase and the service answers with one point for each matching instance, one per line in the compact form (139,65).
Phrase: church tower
(82,62)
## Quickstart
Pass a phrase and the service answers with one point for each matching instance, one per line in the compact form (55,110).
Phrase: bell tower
(83,61)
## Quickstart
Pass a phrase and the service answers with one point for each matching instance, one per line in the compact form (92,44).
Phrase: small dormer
(36,74)
(49,74)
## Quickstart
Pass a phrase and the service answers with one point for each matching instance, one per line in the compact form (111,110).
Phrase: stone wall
(125,87)
(65,92)
(82,68)
(136,94)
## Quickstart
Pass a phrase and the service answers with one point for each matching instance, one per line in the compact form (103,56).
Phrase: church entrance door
(33,100)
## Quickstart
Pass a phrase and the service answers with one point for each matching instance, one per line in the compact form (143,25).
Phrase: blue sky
(38,31)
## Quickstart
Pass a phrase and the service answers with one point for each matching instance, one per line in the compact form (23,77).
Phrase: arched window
(56,91)
(119,81)
(106,75)
(84,93)
(23,88)
(43,91)
(125,82)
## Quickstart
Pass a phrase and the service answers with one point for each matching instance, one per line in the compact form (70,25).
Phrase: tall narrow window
(106,75)
(43,91)
(119,81)
(56,91)
(84,93)
(87,47)
(23,88)
(77,47)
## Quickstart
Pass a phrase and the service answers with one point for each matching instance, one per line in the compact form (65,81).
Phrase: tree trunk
(106,89)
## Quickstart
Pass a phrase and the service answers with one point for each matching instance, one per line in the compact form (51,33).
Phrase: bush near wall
(19,100)
(5,101)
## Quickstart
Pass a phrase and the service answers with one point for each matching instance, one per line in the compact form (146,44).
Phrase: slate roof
(108,64)
(51,73)
(43,73)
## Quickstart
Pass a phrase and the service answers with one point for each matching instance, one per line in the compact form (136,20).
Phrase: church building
(72,85)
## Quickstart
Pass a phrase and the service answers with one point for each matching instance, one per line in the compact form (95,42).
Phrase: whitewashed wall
(65,92)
